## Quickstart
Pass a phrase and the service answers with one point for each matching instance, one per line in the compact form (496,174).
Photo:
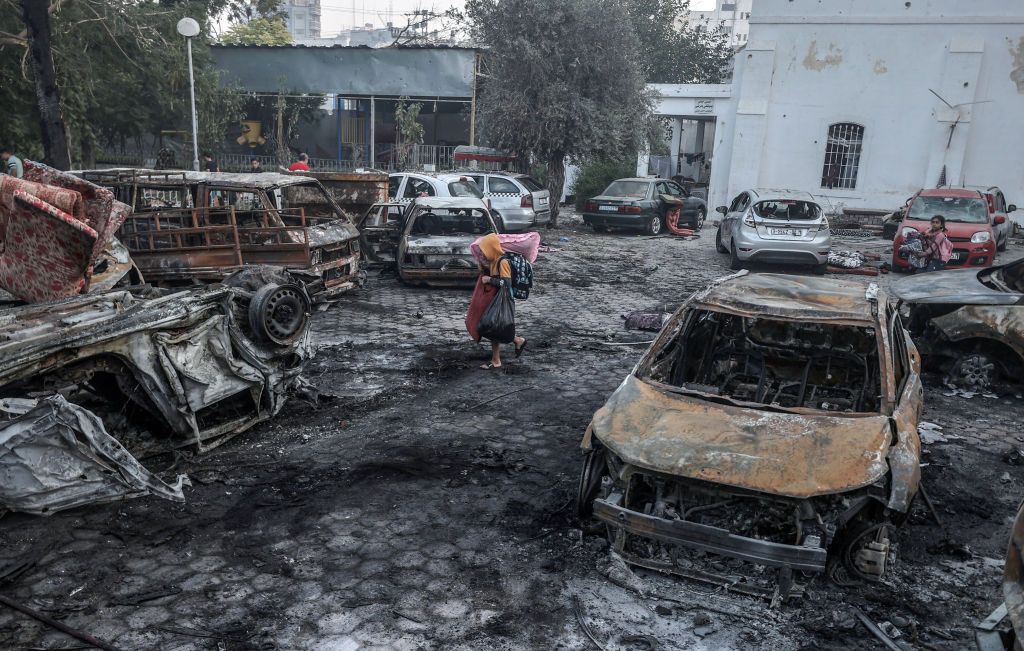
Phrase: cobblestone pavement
(427,504)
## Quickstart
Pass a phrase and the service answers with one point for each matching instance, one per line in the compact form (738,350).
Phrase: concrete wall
(809,64)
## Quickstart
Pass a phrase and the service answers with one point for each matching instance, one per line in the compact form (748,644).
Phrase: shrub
(594,177)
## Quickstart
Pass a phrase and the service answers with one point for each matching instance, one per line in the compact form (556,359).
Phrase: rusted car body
(185,368)
(773,421)
(354,192)
(436,233)
(968,323)
(203,226)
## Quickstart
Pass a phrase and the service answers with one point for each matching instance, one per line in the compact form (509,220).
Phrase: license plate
(786,231)
(957,257)
(608,208)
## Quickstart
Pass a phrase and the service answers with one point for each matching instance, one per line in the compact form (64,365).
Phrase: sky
(340,14)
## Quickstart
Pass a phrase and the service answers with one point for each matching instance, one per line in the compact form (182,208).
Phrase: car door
(734,216)
(416,186)
(689,205)
(660,188)
(395,186)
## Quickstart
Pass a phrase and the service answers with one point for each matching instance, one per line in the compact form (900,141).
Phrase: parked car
(517,202)
(999,208)
(431,240)
(204,226)
(969,323)
(774,226)
(972,225)
(404,187)
(773,421)
(642,203)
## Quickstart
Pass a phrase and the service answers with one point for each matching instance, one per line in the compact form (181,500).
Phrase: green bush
(595,176)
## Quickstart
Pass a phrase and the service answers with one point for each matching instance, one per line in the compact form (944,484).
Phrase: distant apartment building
(302,18)
(733,16)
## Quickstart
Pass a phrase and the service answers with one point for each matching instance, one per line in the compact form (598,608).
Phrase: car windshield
(310,198)
(969,210)
(787,209)
(631,189)
(464,189)
(772,362)
(451,221)
(530,184)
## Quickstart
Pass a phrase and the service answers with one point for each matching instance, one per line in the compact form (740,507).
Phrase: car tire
(702,215)
(653,225)
(593,470)
(734,263)
(599,228)
(820,269)
(499,223)
(1002,247)
(718,241)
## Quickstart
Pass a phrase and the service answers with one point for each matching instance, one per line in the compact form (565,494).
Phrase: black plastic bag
(499,320)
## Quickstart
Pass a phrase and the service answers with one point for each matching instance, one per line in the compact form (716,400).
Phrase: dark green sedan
(642,204)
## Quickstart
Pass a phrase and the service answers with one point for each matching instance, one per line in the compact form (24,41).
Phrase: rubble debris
(200,365)
(651,320)
(51,622)
(757,368)
(877,632)
(930,433)
(54,228)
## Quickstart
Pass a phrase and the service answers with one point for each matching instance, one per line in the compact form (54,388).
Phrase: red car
(970,225)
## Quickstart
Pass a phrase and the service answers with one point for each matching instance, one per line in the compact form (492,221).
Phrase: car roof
(642,180)
(440,176)
(263,180)
(950,192)
(449,202)
(798,298)
(775,194)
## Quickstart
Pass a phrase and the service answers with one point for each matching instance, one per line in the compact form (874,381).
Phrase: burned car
(968,323)
(85,378)
(430,240)
(773,421)
(203,226)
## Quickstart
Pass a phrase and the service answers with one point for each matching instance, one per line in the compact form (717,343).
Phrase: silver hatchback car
(517,201)
(774,226)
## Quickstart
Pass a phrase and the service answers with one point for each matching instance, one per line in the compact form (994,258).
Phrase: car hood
(784,454)
(440,244)
(956,286)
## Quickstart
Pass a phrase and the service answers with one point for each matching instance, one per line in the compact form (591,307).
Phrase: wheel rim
(976,370)
(701,216)
(655,224)
(282,314)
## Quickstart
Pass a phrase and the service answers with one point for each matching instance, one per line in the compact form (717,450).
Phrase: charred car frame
(773,422)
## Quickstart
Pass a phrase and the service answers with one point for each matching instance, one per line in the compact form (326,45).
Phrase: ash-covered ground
(427,504)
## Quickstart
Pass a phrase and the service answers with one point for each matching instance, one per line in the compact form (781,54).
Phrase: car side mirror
(999,219)
(1011,208)
(722,209)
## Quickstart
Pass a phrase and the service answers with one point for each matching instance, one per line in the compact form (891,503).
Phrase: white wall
(809,64)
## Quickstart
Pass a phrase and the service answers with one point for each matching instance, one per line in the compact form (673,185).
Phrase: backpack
(522,275)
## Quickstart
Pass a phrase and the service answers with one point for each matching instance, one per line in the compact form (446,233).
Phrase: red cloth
(298,166)
(483,294)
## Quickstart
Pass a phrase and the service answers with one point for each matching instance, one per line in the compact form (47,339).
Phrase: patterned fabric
(525,244)
(53,227)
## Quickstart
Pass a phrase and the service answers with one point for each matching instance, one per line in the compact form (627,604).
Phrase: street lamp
(189,28)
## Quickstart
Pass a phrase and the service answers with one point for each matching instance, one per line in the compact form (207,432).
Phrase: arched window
(842,155)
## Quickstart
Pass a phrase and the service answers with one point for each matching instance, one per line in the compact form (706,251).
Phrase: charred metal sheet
(354,192)
(1004,324)
(957,287)
(58,456)
(1013,574)
(777,453)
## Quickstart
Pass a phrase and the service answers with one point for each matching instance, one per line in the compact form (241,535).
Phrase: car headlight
(981,236)
(907,231)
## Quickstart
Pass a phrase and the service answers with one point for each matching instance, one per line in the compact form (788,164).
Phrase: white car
(517,201)
(404,187)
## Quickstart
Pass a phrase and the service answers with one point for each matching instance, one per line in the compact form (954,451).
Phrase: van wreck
(773,421)
(160,369)
(189,226)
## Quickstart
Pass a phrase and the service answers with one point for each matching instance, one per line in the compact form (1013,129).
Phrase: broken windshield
(311,198)
(446,221)
(969,210)
(632,189)
(787,209)
(779,363)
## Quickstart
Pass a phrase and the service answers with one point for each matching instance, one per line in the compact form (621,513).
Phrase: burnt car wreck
(85,379)
(773,426)
(970,325)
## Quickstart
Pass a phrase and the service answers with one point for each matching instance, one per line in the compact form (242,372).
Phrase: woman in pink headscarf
(495,275)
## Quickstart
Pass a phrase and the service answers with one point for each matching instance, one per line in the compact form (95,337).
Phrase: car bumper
(517,219)
(710,539)
(618,220)
(966,254)
(751,248)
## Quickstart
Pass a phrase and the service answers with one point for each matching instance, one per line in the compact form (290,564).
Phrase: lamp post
(189,28)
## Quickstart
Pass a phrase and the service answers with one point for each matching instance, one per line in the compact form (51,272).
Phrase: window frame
(847,162)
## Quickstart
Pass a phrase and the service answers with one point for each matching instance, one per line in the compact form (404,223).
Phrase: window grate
(842,156)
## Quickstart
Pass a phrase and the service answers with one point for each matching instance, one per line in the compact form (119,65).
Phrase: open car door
(380,229)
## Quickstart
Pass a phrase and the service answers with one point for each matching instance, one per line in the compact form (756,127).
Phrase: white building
(863,102)
(302,18)
(733,16)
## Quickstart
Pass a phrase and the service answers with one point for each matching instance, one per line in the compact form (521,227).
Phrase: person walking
(495,277)
(12,164)
(255,166)
(301,165)
(936,246)
(209,164)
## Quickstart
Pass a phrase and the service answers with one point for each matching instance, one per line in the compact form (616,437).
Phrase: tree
(259,31)
(36,15)
(561,78)
(674,50)
(408,130)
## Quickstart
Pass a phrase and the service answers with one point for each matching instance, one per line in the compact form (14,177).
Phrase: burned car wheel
(278,313)
(974,371)
(590,481)
(865,549)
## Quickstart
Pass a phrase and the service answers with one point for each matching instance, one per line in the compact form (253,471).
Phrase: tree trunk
(36,15)
(556,181)
(88,154)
